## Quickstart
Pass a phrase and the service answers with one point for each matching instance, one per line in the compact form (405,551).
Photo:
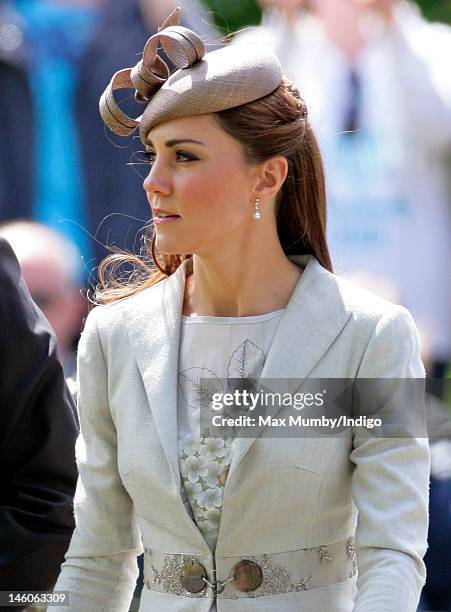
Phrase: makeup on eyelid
(150,156)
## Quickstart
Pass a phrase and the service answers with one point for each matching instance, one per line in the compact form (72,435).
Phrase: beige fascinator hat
(203,83)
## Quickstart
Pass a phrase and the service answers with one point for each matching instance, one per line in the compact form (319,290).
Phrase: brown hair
(271,126)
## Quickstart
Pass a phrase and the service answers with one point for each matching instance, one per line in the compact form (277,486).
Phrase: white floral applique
(213,448)
(195,467)
(205,457)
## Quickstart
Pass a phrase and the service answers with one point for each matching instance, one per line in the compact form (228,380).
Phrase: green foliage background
(231,15)
(436,10)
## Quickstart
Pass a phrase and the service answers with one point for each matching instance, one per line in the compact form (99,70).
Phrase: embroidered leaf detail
(198,385)
(246,361)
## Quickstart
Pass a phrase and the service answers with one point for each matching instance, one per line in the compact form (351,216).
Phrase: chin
(171,247)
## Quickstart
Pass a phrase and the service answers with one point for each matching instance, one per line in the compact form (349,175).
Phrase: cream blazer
(281,496)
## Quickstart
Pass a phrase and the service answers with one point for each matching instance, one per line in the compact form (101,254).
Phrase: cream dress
(212,350)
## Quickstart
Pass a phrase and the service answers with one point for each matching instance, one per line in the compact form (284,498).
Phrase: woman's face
(198,175)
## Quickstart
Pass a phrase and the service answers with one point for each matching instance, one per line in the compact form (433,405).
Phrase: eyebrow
(177,141)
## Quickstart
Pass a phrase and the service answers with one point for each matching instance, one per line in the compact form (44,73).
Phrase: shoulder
(335,293)
(9,266)
(265,34)
(365,304)
(108,319)
(421,31)
(430,41)
(251,34)
(372,322)
(18,314)
(391,342)
(377,315)
(359,322)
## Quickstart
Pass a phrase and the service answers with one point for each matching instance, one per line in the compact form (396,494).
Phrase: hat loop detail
(182,46)
(114,118)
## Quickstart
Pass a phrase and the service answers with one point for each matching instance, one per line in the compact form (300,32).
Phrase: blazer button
(192,577)
(248,576)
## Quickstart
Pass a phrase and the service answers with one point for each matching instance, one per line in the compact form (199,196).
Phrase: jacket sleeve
(100,570)
(391,482)
(37,439)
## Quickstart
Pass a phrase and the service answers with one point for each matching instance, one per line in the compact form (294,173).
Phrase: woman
(244,289)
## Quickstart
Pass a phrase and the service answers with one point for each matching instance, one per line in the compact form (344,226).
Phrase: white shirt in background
(388,184)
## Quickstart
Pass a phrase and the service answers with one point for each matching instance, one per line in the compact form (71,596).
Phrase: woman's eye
(149,157)
(182,156)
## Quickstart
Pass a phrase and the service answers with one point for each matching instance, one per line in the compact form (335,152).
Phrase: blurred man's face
(285,5)
(47,288)
(370,4)
(60,301)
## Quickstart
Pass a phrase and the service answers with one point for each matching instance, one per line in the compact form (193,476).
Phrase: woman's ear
(271,175)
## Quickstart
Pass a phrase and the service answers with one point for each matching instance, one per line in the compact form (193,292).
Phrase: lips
(159,213)
(163,217)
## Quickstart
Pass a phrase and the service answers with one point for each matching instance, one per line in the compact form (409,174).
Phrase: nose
(157,181)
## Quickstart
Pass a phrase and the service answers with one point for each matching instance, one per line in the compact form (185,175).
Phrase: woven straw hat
(203,83)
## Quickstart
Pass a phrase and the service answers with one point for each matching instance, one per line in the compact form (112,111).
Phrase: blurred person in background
(376,77)
(437,590)
(57,164)
(51,268)
(37,441)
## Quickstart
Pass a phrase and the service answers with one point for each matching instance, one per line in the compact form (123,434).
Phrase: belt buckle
(218,586)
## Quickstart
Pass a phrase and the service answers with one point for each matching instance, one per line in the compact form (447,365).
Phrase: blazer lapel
(314,317)
(154,329)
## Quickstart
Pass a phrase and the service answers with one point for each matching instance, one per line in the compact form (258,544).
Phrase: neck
(251,279)
(342,24)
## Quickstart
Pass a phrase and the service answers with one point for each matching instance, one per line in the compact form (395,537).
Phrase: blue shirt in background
(57,37)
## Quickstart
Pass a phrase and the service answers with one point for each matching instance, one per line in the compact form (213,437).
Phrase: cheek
(213,203)
(215,193)
(197,195)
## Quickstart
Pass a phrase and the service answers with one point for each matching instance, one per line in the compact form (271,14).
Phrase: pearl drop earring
(257,213)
